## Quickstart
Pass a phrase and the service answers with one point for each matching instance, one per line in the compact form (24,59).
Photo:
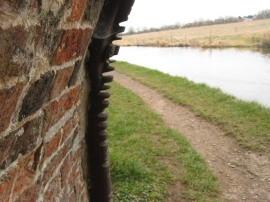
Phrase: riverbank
(242,34)
(242,175)
(247,122)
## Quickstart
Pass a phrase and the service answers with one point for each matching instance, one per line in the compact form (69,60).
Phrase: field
(242,34)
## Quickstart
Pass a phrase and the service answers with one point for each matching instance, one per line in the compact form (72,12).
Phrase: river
(243,73)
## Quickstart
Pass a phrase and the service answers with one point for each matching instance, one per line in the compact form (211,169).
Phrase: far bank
(242,34)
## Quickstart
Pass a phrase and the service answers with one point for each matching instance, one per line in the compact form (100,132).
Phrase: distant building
(248,18)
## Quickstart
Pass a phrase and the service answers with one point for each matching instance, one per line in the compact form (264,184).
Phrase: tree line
(264,14)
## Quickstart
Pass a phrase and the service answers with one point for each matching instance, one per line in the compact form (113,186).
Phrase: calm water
(242,73)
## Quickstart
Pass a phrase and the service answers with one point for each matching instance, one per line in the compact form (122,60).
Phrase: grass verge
(139,140)
(248,122)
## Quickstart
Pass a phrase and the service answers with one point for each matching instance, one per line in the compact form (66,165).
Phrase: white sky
(156,13)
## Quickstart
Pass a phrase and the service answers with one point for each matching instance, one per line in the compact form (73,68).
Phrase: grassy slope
(249,123)
(138,140)
(242,34)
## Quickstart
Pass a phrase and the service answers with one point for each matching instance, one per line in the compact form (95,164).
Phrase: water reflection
(244,73)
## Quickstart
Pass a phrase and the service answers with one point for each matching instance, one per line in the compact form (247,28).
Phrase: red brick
(13,5)
(79,183)
(29,195)
(19,177)
(65,169)
(6,183)
(52,146)
(74,175)
(53,189)
(68,165)
(72,197)
(51,167)
(25,174)
(13,145)
(34,5)
(8,100)
(57,109)
(77,10)
(38,35)
(76,155)
(11,44)
(61,81)
(69,126)
(73,43)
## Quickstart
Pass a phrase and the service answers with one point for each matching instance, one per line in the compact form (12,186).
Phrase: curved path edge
(242,175)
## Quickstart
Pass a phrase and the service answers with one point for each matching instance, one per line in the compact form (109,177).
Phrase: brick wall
(42,86)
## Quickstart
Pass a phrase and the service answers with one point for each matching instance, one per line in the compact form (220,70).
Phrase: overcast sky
(156,13)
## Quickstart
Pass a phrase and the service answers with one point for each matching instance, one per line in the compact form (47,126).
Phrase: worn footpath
(242,175)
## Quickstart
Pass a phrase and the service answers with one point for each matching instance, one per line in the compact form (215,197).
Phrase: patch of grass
(138,140)
(248,122)
(265,41)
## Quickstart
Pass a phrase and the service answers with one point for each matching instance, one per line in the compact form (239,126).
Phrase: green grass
(248,122)
(139,140)
(265,41)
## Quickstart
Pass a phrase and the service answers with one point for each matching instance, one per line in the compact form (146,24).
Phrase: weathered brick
(57,159)
(11,45)
(73,43)
(74,175)
(79,183)
(72,197)
(73,79)
(29,195)
(69,126)
(77,10)
(25,174)
(76,155)
(38,35)
(92,10)
(57,109)
(13,145)
(8,101)
(61,81)
(65,169)
(6,183)
(14,5)
(84,196)
(52,146)
(67,166)
(37,95)
(53,189)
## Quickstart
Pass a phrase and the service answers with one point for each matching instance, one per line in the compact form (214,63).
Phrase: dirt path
(242,175)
